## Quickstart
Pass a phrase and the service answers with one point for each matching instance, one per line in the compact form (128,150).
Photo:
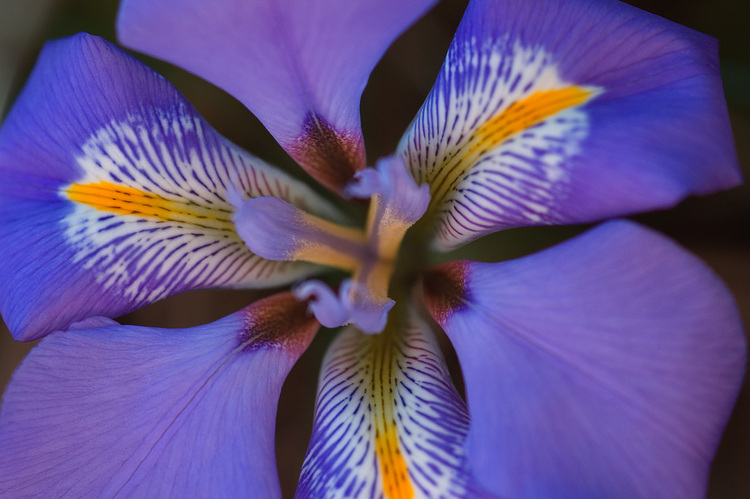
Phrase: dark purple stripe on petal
(641,121)
(114,194)
(388,421)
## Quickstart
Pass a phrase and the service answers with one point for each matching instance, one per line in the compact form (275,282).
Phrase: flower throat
(370,255)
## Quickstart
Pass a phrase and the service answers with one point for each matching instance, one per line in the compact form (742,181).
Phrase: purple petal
(388,421)
(568,112)
(114,194)
(153,412)
(300,66)
(606,366)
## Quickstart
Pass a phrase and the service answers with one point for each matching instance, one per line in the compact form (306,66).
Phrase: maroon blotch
(330,156)
(278,321)
(445,289)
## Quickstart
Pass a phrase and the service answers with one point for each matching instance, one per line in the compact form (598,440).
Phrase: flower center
(276,230)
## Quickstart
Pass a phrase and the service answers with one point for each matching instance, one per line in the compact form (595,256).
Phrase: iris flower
(605,366)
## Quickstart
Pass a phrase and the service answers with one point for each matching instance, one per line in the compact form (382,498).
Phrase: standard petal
(299,66)
(146,412)
(114,193)
(568,112)
(604,367)
(388,421)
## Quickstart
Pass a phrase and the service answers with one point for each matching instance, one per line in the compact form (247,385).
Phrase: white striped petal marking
(151,215)
(494,139)
(388,421)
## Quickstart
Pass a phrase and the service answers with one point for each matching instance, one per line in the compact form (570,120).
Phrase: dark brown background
(716,227)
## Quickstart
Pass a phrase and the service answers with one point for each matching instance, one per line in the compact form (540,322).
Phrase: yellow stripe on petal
(124,200)
(524,114)
(396,482)
(149,214)
(388,422)
(514,119)
(393,469)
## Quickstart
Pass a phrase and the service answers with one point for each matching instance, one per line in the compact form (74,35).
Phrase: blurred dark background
(717,227)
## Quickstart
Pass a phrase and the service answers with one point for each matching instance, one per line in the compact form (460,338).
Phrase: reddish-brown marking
(445,289)
(331,157)
(279,320)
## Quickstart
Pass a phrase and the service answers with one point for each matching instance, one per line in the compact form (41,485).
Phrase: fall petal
(568,112)
(114,193)
(388,421)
